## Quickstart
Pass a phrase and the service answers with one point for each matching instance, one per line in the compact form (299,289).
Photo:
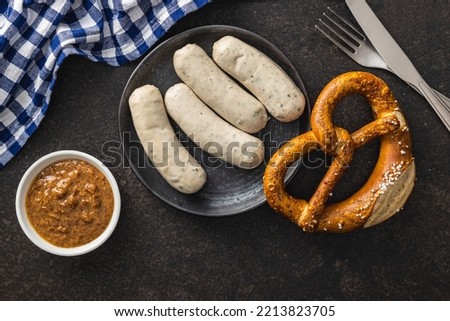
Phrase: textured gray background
(159,253)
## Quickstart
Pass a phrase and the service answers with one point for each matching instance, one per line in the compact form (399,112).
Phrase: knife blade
(395,57)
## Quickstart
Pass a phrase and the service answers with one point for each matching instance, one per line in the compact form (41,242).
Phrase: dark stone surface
(159,253)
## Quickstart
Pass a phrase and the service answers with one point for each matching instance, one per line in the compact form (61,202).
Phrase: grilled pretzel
(387,188)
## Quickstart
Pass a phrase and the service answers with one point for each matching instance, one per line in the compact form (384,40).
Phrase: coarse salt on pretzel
(390,183)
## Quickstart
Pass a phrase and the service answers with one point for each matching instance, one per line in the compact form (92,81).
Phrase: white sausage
(217,90)
(167,154)
(261,76)
(210,132)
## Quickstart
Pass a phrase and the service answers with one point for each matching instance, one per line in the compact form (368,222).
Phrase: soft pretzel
(387,188)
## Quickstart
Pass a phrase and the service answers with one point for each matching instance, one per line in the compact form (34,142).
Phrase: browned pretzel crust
(387,188)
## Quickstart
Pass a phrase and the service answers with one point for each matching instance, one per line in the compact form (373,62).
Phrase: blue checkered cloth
(36,36)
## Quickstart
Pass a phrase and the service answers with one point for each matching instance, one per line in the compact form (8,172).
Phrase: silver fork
(359,47)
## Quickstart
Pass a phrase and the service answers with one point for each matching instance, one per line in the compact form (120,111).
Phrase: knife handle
(440,107)
(444,99)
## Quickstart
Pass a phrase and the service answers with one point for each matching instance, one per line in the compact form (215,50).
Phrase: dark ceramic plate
(227,190)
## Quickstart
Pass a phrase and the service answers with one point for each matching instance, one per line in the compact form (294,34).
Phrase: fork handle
(440,107)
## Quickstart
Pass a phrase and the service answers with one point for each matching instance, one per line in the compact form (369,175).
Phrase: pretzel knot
(387,188)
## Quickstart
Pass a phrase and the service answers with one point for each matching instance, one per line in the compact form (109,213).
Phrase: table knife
(394,56)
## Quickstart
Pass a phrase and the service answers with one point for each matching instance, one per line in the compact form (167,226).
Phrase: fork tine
(337,43)
(339,32)
(347,24)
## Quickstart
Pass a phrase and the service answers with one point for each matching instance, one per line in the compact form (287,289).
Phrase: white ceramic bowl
(28,179)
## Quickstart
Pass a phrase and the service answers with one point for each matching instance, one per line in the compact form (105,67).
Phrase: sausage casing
(210,132)
(261,76)
(172,160)
(217,90)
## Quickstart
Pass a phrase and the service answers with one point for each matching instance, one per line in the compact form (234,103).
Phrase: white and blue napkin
(37,35)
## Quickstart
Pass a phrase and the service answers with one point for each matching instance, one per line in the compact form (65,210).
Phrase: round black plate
(227,190)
